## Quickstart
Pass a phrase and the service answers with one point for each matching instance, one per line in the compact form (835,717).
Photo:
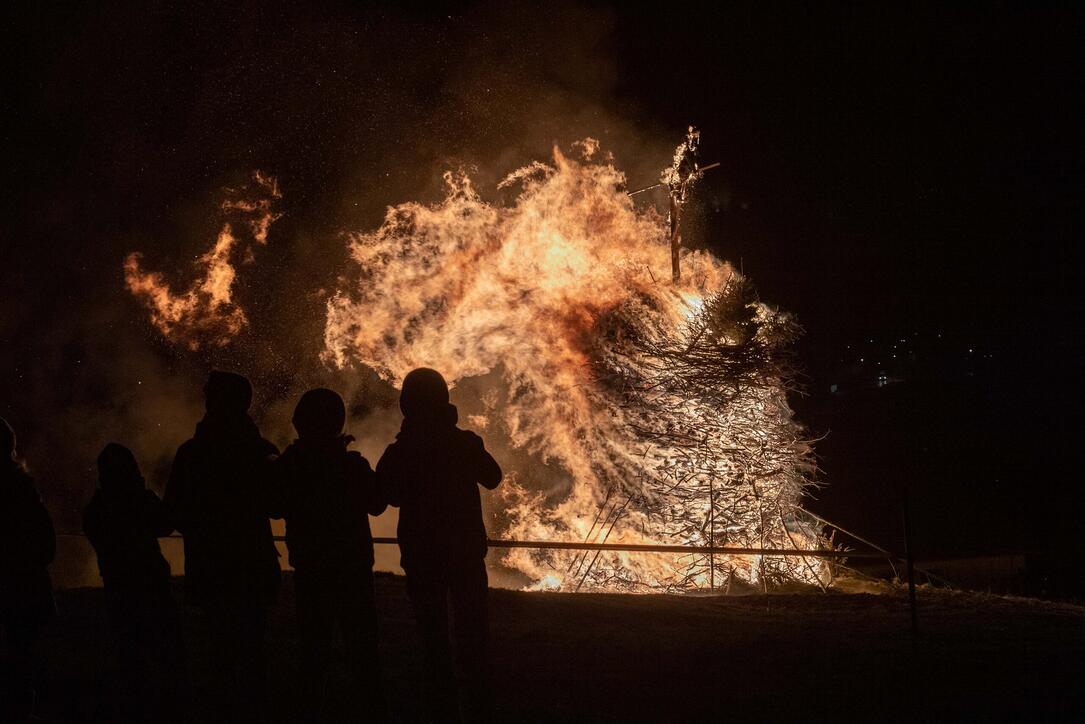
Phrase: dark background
(895,174)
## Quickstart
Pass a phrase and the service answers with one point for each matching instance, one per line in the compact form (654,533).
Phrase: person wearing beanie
(27,547)
(326,493)
(218,497)
(431,473)
(123,522)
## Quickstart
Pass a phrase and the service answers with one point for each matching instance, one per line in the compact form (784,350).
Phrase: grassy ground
(593,657)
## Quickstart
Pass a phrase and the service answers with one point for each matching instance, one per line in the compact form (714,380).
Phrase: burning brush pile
(648,411)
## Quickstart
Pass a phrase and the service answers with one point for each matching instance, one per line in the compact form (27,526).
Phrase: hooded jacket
(218,498)
(27,547)
(432,473)
(123,522)
(326,493)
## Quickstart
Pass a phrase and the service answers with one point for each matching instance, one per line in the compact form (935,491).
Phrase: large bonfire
(633,407)
(647,411)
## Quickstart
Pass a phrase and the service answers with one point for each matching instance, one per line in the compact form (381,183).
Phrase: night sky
(888,171)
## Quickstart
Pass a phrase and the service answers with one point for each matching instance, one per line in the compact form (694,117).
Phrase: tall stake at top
(680,177)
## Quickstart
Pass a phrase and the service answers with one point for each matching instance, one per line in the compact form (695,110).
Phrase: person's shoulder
(188,447)
(356,460)
(393,452)
(468,438)
(266,447)
(289,453)
(394,447)
(188,454)
(23,487)
(21,477)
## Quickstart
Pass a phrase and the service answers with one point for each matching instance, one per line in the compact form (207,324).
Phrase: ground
(596,657)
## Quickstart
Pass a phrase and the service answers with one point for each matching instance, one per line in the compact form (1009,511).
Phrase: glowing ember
(206,313)
(646,411)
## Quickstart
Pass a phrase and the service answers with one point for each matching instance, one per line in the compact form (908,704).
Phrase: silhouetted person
(327,493)
(27,547)
(432,473)
(123,522)
(218,498)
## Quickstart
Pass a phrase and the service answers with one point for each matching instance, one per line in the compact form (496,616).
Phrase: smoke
(350,110)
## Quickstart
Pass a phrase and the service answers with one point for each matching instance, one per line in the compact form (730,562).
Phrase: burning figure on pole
(680,177)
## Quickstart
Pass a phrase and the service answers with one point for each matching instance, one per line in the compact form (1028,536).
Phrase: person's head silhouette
(7,440)
(118,471)
(227,393)
(320,414)
(424,395)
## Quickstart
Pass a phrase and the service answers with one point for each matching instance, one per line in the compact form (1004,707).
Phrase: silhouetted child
(327,493)
(27,547)
(123,522)
(432,473)
(218,498)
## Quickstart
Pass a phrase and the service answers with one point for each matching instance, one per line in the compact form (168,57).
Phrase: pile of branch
(723,461)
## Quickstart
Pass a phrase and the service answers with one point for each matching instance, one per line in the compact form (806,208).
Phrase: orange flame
(520,291)
(206,312)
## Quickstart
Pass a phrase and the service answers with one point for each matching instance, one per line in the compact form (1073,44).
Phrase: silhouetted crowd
(225,485)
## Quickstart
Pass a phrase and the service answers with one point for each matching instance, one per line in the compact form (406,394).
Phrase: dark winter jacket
(218,498)
(123,525)
(27,547)
(326,493)
(432,473)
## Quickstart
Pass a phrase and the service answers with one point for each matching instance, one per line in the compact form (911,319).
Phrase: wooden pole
(711,534)
(676,240)
(910,564)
